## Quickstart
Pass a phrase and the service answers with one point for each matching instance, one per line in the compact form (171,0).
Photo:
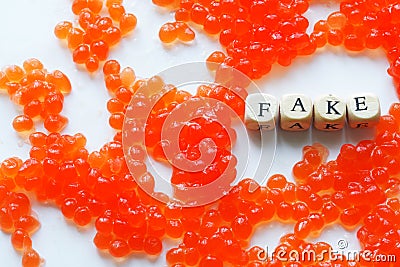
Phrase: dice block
(296,112)
(329,113)
(363,110)
(261,112)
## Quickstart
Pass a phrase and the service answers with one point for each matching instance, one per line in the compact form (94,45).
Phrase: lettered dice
(261,112)
(363,110)
(296,112)
(329,113)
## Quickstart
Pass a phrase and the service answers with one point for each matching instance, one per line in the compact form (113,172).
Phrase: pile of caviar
(94,35)
(38,92)
(257,34)
(16,215)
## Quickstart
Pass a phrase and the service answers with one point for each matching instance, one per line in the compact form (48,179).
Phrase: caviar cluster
(257,34)
(40,93)
(16,215)
(94,35)
(160,99)
(122,85)
(206,123)
(358,188)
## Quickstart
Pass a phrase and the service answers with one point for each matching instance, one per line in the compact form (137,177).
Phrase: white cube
(329,113)
(295,112)
(261,112)
(363,110)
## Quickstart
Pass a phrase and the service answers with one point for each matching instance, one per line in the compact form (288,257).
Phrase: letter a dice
(329,113)
(261,112)
(363,110)
(296,112)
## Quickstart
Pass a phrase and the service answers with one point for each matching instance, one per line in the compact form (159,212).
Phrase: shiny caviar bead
(31,258)
(127,23)
(152,245)
(119,248)
(22,123)
(168,33)
(62,29)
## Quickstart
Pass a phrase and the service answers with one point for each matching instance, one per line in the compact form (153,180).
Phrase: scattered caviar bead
(354,42)
(116,11)
(168,33)
(319,37)
(277,181)
(192,256)
(78,6)
(175,255)
(198,14)
(14,73)
(111,2)
(32,64)
(3,80)
(9,167)
(116,120)
(211,24)
(100,49)
(184,32)
(330,212)
(68,207)
(75,38)
(300,210)
(394,110)
(33,108)
(31,258)
(111,67)
(114,105)
(128,76)
(152,245)
(81,54)
(112,36)
(350,217)
(127,23)
(23,123)
(38,139)
(55,123)
(27,223)
(174,228)
(336,20)
(60,80)
(182,14)
(102,241)
(124,94)
(119,248)
(215,59)
(82,216)
(92,63)
(303,228)
(62,29)
(113,82)
(241,227)
(95,5)
(335,37)
(20,240)
(53,103)
(210,261)
(136,242)
(163,2)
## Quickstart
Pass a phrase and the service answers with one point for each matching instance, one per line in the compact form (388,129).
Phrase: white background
(27,31)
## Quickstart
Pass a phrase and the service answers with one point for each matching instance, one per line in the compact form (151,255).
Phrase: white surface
(27,31)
